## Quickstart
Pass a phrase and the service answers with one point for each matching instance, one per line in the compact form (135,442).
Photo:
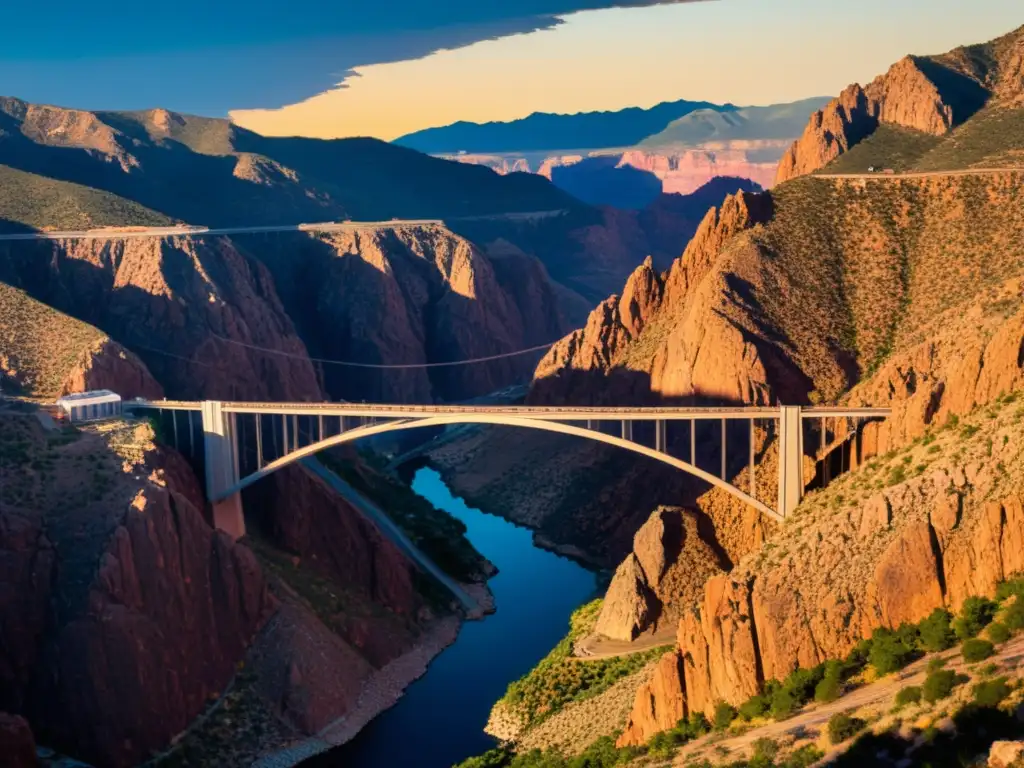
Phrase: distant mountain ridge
(776,121)
(548,131)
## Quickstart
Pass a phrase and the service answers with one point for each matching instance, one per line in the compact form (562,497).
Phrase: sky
(331,68)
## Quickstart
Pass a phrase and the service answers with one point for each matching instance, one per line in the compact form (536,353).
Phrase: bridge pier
(220,442)
(791,452)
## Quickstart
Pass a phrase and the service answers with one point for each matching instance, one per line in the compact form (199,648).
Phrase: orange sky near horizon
(740,51)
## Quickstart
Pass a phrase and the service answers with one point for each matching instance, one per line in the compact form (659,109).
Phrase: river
(440,719)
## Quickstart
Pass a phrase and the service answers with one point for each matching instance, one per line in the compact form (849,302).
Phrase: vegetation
(842,727)
(975,615)
(936,632)
(439,535)
(559,679)
(990,693)
(975,649)
(938,685)
(724,715)
(890,651)
(37,202)
(42,345)
(890,146)
(909,695)
(997,632)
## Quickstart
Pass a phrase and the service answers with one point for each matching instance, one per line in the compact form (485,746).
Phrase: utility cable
(380,366)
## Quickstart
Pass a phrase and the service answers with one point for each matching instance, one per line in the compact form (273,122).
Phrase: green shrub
(858,657)
(697,725)
(989,693)
(754,707)
(935,664)
(1009,588)
(935,632)
(975,649)
(975,615)
(1013,616)
(938,685)
(988,669)
(724,715)
(783,704)
(765,749)
(997,632)
(888,652)
(908,695)
(831,684)
(842,727)
(804,757)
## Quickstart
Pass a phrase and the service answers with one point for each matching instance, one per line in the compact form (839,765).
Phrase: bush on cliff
(559,679)
(909,695)
(842,727)
(990,693)
(936,632)
(975,614)
(1013,617)
(975,649)
(938,685)
(725,713)
(997,632)
(830,686)
(889,651)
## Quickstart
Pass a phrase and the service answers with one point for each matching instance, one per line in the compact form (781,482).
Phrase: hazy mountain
(776,121)
(546,131)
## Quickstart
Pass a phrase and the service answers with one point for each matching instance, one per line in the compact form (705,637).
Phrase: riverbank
(440,719)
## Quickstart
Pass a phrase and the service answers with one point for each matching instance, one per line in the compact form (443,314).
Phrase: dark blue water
(440,719)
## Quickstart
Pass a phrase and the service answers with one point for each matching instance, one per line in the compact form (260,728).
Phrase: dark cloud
(207,57)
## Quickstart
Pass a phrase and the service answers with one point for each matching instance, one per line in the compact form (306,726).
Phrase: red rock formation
(17,746)
(186,306)
(170,612)
(927,94)
(27,562)
(305,518)
(661,578)
(111,366)
(660,703)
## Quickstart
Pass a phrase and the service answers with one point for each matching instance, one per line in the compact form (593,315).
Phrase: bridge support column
(221,449)
(660,436)
(627,430)
(791,451)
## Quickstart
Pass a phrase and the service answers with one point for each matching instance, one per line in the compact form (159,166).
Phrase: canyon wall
(931,95)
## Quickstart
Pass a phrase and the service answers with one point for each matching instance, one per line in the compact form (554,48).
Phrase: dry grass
(868,263)
(40,346)
(40,203)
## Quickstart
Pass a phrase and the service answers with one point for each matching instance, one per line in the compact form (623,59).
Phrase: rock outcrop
(130,613)
(204,317)
(408,295)
(108,365)
(933,95)
(664,574)
(660,702)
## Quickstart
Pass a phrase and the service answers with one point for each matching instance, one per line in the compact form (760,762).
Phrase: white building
(90,406)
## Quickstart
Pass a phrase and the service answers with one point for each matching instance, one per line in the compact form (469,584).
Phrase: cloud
(209,57)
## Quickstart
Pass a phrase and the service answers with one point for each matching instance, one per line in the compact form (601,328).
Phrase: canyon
(130,629)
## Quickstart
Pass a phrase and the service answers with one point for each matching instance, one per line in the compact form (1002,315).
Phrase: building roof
(96,395)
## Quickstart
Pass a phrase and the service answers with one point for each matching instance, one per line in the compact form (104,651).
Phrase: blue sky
(386,67)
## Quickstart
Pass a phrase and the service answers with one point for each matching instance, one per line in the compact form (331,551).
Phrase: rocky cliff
(413,294)
(930,95)
(679,170)
(94,630)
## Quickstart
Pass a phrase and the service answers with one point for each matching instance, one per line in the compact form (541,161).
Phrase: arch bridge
(243,442)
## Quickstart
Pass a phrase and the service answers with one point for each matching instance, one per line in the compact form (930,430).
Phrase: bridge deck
(547,413)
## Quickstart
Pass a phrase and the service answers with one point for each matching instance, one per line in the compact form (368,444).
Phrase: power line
(378,366)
